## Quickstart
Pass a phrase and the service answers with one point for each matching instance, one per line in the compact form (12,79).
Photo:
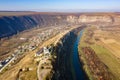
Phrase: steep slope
(94,18)
(13,24)
(10,25)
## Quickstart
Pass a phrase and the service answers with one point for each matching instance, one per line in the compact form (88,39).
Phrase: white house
(46,51)
(1,65)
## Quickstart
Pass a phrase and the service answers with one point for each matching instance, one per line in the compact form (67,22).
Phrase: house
(1,65)
(7,60)
(22,38)
(13,55)
(46,51)
(38,53)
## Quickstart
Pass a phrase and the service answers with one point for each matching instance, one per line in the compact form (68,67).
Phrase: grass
(29,75)
(104,55)
(82,56)
(107,58)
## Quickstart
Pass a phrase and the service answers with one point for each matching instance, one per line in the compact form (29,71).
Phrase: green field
(104,54)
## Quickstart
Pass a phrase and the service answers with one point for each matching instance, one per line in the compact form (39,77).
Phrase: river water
(79,74)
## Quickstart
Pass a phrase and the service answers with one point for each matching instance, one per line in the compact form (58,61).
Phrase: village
(36,56)
(31,45)
(44,58)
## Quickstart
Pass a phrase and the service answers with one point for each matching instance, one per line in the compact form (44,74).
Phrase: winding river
(79,74)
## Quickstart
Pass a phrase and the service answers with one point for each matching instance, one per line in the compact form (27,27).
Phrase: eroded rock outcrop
(10,25)
(13,24)
(93,18)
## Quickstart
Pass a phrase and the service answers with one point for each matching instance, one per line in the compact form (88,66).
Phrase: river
(79,74)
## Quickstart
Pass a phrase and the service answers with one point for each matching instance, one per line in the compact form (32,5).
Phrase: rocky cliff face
(93,19)
(85,18)
(117,19)
(14,24)
(10,25)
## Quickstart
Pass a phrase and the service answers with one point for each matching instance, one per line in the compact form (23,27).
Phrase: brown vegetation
(98,68)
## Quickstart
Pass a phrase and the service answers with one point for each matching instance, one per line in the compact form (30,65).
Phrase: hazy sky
(59,5)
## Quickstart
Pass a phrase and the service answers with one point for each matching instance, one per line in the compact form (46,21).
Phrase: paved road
(6,64)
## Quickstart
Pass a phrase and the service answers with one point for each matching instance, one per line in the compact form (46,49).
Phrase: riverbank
(64,51)
(27,62)
(77,66)
(96,58)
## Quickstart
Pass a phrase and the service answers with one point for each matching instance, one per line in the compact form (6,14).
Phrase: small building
(46,51)
(38,53)
(13,55)
(30,69)
(7,60)
(22,38)
(1,65)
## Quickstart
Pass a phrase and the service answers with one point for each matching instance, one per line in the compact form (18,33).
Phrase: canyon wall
(89,19)
(10,25)
(13,24)
(93,18)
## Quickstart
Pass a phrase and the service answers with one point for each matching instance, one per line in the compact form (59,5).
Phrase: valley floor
(25,66)
(104,46)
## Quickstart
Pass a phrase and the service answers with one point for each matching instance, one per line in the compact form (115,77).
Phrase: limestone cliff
(10,25)
(93,18)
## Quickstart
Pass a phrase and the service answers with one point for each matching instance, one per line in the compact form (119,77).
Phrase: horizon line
(63,10)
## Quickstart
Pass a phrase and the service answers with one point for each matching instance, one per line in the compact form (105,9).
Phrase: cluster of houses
(44,35)
(47,51)
(32,44)
(4,62)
